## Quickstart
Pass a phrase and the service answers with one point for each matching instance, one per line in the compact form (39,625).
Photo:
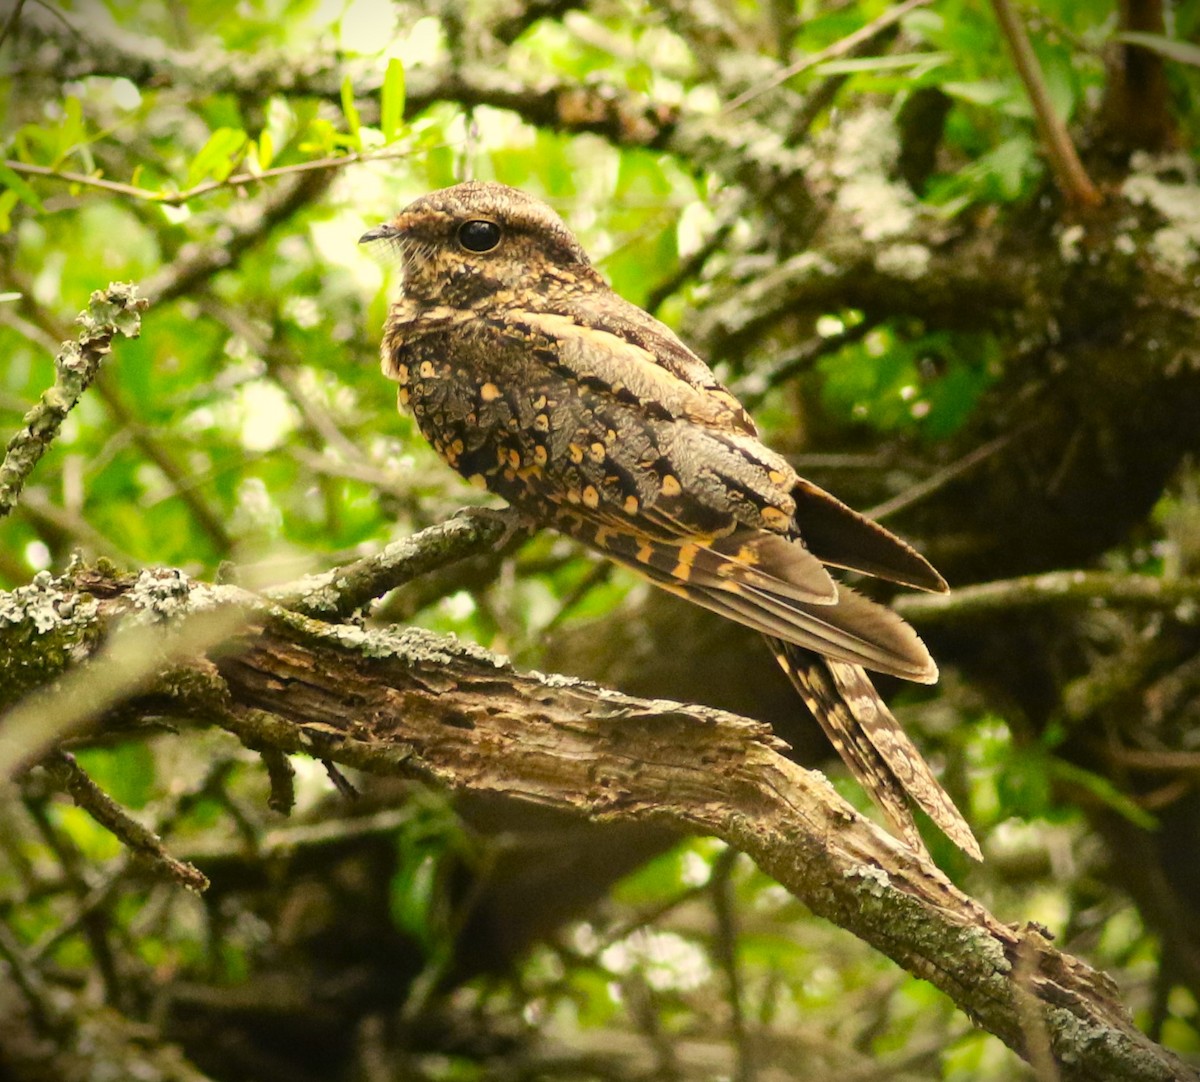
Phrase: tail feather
(869,739)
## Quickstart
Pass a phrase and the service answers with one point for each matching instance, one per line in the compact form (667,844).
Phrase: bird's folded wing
(851,629)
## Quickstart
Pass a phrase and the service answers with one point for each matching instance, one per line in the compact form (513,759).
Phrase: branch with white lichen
(416,704)
(1057,588)
(110,312)
(335,594)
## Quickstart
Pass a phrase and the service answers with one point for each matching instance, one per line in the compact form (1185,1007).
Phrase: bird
(535,380)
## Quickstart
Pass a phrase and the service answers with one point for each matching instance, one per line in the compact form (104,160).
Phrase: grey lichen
(112,311)
(1168,186)
(44,626)
(861,159)
(907,261)
(875,880)
(44,604)
(160,593)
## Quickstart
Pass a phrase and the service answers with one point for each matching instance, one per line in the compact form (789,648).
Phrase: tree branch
(139,839)
(745,150)
(1054,588)
(1136,111)
(416,704)
(843,47)
(112,311)
(1068,170)
(336,594)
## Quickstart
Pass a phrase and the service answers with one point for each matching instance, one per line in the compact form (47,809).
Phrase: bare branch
(236,180)
(1068,170)
(72,778)
(1054,588)
(843,47)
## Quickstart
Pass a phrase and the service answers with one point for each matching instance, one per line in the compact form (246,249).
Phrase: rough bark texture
(415,704)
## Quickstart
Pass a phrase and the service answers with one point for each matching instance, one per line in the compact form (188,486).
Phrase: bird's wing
(840,537)
(653,360)
(853,629)
(620,452)
(652,355)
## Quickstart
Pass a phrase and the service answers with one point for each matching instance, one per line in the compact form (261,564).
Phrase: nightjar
(533,379)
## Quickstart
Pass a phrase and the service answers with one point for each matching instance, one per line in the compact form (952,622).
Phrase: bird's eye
(479,235)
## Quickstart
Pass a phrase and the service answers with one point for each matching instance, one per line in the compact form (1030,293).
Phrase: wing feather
(851,629)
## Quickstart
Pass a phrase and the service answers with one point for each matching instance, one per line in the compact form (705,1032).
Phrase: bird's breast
(486,404)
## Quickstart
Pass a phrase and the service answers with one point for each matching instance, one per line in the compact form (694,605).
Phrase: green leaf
(985,92)
(8,200)
(266,149)
(20,186)
(391,106)
(216,156)
(348,108)
(924,61)
(1182,52)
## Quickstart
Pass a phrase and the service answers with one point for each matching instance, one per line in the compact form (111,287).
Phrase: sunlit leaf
(20,187)
(350,111)
(391,107)
(215,158)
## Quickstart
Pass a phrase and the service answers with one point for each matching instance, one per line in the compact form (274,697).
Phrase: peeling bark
(416,704)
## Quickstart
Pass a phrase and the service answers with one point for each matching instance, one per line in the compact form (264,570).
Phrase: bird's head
(479,242)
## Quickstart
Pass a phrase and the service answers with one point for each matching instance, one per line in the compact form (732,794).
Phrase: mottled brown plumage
(532,378)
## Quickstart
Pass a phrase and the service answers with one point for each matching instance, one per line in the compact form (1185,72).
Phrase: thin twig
(598,574)
(11,23)
(924,489)
(283,368)
(72,530)
(74,780)
(831,52)
(1154,761)
(184,275)
(337,593)
(237,180)
(725,910)
(693,265)
(45,328)
(206,516)
(117,876)
(1055,588)
(94,925)
(112,311)
(752,389)
(1071,177)
(26,977)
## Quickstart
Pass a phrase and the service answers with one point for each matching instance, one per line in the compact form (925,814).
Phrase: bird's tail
(868,737)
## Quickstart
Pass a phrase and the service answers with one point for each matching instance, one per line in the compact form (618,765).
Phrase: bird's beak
(380,232)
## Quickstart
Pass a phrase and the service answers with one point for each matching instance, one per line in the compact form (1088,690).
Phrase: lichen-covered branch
(1055,588)
(413,703)
(110,312)
(337,593)
(744,149)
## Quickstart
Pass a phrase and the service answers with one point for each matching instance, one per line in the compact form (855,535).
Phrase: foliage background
(872,253)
